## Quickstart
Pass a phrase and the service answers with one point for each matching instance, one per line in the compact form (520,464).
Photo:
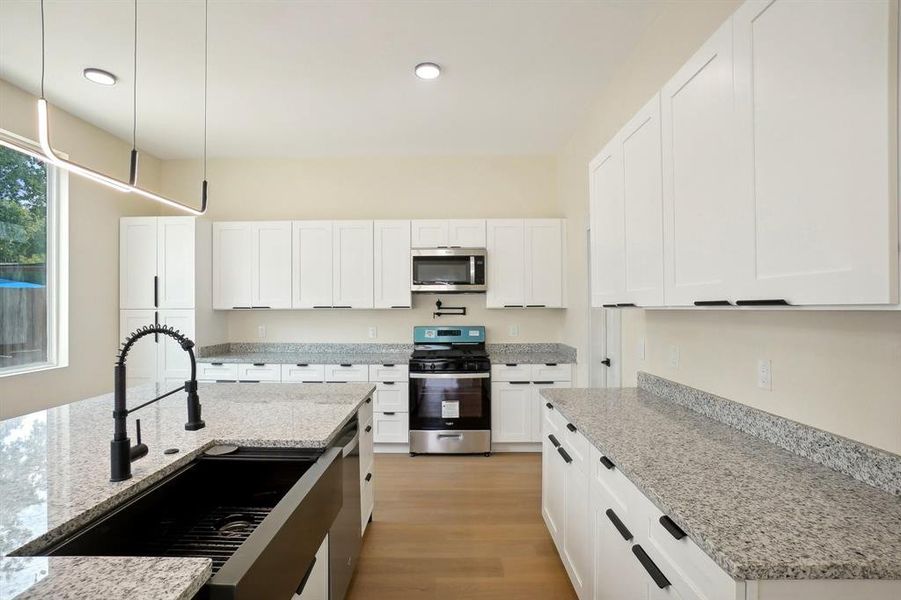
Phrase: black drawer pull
(607,462)
(673,529)
(550,364)
(519,383)
(536,305)
(571,427)
(345,365)
(608,305)
(565,455)
(620,526)
(649,566)
(388,364)
(216,364)
(388,382)
(712,303)
(302,365)
(259,364)
(368,400)
(389,414)
(320,306)
(626,305)
(241,307)
(773,302)
(553,440)
(511,365)
(260,307)
(512,305)
(368,428)
(368,476)
(549,405)
(543,382)
(401,306)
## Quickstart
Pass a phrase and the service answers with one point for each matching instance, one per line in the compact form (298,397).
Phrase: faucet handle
(138,427)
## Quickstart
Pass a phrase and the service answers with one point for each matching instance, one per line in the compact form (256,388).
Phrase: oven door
(442,401)
(449,270)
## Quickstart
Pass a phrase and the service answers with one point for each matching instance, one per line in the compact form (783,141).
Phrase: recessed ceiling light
(427,70)
(100,76)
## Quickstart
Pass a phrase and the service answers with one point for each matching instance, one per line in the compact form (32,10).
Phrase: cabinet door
(606,214)
(174,364)
(137,262)
(538,403)
(544,256)
(553,489)
(142,358)
(231,265)
(392,397)
(316,586)
(511,411)
(391,427)
(271,262)
(392,278)
(643,207)
(702,194)
(352,260)
(466,233)
(175,261)
(428,233)
(506,267)
(816,95)
(617,573)
(577,546)
(312,264)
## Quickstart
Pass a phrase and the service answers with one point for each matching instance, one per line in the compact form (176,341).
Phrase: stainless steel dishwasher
(345,536)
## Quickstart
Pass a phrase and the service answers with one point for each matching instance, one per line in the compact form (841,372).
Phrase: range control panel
(466,334)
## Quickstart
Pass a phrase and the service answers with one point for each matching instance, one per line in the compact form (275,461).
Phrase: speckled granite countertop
(759,511)
(371,354)
(55,471)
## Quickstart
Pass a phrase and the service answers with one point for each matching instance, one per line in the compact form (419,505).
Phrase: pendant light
(131,186)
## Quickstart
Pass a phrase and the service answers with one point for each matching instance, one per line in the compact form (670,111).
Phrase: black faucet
(122,453)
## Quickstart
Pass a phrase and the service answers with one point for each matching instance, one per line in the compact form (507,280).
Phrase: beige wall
(838,371)
(94,212)
(378,188)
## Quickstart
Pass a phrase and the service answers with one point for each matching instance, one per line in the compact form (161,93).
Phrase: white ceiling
(330,78)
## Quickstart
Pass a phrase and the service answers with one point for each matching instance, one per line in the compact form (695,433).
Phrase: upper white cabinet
(252,264)
(453,233)
(701,197)
(626,214)
(816,98)
(525,263)
(333,264)
(156,262)
(392,262)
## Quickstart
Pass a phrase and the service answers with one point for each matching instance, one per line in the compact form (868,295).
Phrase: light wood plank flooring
(449,527)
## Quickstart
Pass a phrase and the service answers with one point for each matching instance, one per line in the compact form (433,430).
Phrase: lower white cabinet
(303,373)
(511,411)
(316,587)
(577,539)
(391,427)
(346,373)
(366,420)
(553,476)
(260,372)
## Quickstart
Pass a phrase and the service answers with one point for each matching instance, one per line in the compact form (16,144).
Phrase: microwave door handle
(472,269)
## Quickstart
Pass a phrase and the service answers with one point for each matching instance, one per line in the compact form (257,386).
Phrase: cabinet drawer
(552,372)
(624,497)
(511,372)
(364,413)
(346,373)
(578,446)
(303,373)
(551,421)
(367,498)
(392,397)
(388,373)
(217,371)
(259,372)
(391,428)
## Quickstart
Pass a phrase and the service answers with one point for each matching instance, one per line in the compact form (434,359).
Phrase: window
(33,280)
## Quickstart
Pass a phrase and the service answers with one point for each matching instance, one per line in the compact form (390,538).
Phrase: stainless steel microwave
(447,270)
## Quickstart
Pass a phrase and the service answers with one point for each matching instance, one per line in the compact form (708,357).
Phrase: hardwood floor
(453,527)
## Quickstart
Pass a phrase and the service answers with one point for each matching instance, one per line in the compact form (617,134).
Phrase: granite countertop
(55,472)
(311,358)
(759,511)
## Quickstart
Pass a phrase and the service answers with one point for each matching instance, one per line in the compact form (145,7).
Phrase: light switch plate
(261,332)
(674,357)
(640,349)
(765,374)
(373,333)
(514,330)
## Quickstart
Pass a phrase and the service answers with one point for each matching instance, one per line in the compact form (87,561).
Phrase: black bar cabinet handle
(543,382)
(607,462)
(549,405)
(519,383)
(608,305)
(368,400)
(260,307)
(626,305)
(553,440)
(345,365)
(216,364)
(401,306)
(649,566)
(564,454)
(620,526)
(571,427)
(368,476)
(712,303)
(387,364)
(241,307)
(536,305)
(772,302)
(388,382)
(511,365)
(368,428)
(302,365)
(512,305)
(673,529)
(156,291)
(550,364)
(389,414)
(306,577)
(259,364)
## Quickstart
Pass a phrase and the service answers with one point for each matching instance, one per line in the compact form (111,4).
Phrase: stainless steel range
(450,391)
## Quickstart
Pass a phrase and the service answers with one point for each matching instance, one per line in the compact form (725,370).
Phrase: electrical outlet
(261,332)
(640,349)
(514,330)
(373,333)
(765,374)
(674,357)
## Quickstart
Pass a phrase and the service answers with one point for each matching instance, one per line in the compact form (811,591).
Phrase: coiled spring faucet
(122,453)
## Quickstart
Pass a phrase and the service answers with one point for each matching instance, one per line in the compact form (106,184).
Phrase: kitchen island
(55,476)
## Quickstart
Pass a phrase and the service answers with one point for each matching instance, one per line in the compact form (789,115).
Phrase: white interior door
(232,270)
(607,215)
(353,264)
(544,255)
(175,261)
(312,265)
(271,262)
(701,189)
(392,276)
(506,267)
(816,94)
(137,262)
(643,207)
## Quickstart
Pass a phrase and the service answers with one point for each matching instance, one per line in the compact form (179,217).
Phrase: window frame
(57,265)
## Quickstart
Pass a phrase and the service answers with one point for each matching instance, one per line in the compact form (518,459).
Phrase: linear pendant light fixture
(130,186)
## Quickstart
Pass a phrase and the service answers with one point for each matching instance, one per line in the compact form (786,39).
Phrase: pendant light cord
(43,51)
(134,89)
(206,60)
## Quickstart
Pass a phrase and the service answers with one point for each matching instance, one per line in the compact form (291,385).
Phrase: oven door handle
(450,375)
(452,436)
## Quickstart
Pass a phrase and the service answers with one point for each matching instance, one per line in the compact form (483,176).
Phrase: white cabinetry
(453,233)
(392,278)
(365,422)
(252,264)
(608,245)
(525,263)
(391,419)
(316,586)
(312,264)
(232,261)
(516,401)
(333,264)
(352,260)
(159,359)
